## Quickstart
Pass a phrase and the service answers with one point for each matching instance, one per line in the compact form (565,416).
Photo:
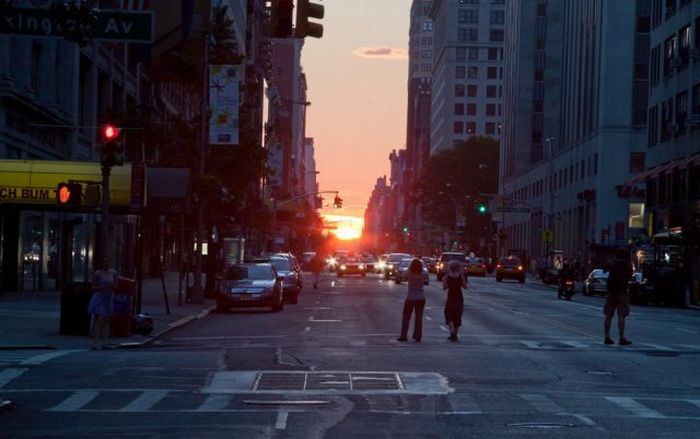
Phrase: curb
(26,347)
(171,327)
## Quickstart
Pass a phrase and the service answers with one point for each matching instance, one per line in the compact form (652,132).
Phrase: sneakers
(608,340)
(402,339)
(625,342)
(453,337)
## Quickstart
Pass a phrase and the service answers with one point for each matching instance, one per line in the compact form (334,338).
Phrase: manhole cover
(339,381)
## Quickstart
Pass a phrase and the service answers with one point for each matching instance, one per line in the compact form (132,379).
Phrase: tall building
(310,172)
(378,225)
(467,80)
(580,134)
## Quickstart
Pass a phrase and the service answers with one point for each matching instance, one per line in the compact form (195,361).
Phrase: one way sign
(118,25)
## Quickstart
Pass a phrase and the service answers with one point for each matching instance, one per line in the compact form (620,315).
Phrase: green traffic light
(482,208)
(405,229)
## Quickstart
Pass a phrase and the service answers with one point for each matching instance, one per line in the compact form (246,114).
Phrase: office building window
(681,112)
(458,127)
(35,67)
(670,8)
(461,53)
(459,109)
(666,119)
(637,161)
(696,99)
(471,109)
(494,53)
(472,16)
(669,54)
(492,72)
(426,41)
(595,164)
(498,17)
(471,91)
(459,91)
(462,16)
(471,127)
(473,72)
(490,128)
(582,167)
(462,34)
(684,45)
(473,53)
(541,9)
(496,35)
(427,26)
(490,109)
(426,54)
(491,91)
(460,72)
(426,68)
(653,123)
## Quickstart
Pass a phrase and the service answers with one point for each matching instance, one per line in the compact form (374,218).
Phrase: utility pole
(550,221)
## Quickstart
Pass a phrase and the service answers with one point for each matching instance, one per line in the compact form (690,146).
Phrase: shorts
(620,303)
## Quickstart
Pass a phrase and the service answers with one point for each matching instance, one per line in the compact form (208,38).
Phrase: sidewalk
(30,320)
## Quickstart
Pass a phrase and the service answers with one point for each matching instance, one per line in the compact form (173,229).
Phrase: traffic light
(281,18)
(112,147)
(406,229)
(337,202)
(304,28)
(482,208)
(69,194)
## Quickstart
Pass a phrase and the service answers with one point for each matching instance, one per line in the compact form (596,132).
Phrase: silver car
(596,282)
(291,281)
(247,285)
(402,273)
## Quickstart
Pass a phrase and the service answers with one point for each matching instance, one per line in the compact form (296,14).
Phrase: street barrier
(124,294)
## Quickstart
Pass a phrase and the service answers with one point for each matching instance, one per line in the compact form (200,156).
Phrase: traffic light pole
(104,224)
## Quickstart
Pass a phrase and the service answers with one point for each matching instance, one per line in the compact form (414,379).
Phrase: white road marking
(542,403)
(585,419)
(214,403)
(145,401)
(574,343)
(443,328)
(428,318)
(7,375)
(307,329)
(657,346)
(281,422)
(695,402)
(43,358)
(317,308)
(311,319)
(686,330)
(226,337)
(76,401)
(635,407)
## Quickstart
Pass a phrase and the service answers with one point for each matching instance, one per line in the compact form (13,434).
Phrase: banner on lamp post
(224,81)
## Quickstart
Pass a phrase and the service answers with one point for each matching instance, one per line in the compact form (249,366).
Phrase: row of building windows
(472,53)
(469,127)
(675,53)
(491,109)
(569,175)
(476,2)
(471,34)
(670,118)
(471,91)
(665,9)
(472,72)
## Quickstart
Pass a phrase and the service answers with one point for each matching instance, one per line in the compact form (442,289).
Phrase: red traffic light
(109,132)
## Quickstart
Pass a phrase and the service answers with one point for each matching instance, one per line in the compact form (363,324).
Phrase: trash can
(123,299)
(75,298)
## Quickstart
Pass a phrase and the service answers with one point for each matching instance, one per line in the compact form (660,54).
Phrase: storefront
(44,245)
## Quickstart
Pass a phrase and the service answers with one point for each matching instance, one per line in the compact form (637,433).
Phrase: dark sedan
(352,266)
(291,280)
(250,285)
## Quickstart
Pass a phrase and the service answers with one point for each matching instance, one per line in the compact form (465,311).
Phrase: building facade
(467,79)
(567,162)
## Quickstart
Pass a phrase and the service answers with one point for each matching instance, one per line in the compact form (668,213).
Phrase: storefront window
(636,216)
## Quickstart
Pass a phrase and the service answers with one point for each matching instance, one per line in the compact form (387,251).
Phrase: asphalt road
(526,365)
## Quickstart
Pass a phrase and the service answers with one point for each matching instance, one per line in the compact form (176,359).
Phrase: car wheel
(294,298)
(587,291)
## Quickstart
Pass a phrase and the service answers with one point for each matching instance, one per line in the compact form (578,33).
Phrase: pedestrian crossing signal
(69,194)
(337,202)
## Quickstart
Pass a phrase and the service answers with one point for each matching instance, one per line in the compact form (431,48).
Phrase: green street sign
(115,25)
(547,235)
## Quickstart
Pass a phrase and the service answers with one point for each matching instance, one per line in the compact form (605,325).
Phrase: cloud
(390,53)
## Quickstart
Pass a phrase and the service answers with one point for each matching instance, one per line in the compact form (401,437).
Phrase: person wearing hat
(415,300)
(455,280)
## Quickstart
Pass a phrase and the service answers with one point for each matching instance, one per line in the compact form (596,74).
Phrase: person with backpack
(455,280)
(620,272)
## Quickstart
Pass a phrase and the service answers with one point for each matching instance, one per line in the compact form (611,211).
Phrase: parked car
(247,285)
(295,266)
(291,282)
(444,261)
(392,264)
(402,273)
(306,259)
(476,267)
(430,263)
(596,282)
(351,266)
(510,268)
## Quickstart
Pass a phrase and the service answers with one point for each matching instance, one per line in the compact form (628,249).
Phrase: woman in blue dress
(102,302)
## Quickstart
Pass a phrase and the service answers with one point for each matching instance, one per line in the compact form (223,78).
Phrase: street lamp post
(550,218)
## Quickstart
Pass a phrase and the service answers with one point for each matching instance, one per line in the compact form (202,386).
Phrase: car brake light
(483,266)
(568,282)
(520,268)
(498,266)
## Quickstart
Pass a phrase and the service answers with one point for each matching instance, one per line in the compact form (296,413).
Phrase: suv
(444,261)
(392,264)
(510,268)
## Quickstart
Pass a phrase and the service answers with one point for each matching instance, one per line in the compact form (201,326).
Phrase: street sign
(116,25)
(513,209)
(547,235)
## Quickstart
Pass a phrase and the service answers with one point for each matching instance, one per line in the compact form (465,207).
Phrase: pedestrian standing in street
(316,268)
(620,271)
(102,302)
(415,301)
(455,280)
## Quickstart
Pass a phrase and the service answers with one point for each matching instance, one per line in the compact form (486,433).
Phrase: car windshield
(252,272)
(510,262)
(397,258)
(452,257)
(281,264)
(475,261)
(405,262)
(599,273)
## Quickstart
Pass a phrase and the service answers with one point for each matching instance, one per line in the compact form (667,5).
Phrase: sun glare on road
(344,227)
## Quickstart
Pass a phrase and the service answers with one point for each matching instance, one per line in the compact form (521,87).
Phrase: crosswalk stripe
(542,403)
(43,358)
(145,401)
(635,407)
(7,375)
(695,402)
(215,402)
(76,401)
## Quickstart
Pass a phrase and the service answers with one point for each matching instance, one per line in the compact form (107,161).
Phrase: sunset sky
(357,76)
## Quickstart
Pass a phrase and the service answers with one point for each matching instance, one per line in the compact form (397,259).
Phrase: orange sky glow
(357,76)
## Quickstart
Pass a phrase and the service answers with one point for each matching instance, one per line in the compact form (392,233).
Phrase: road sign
(136,27)
(513,209)
(547,235)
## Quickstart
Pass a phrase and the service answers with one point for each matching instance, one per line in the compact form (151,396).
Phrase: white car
(596,282)
(402,272)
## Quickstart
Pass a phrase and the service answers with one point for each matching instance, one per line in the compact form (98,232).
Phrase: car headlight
(332,261)
(361,266)
(343,267)
(390,266)
(381,264)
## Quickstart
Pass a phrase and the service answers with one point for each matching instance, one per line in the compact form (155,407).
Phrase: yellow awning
(34,182)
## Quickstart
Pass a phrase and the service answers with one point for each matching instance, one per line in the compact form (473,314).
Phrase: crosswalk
(32,357)
(585,408)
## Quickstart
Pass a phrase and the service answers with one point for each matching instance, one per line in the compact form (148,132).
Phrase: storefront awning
(34,182)
(654,172)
